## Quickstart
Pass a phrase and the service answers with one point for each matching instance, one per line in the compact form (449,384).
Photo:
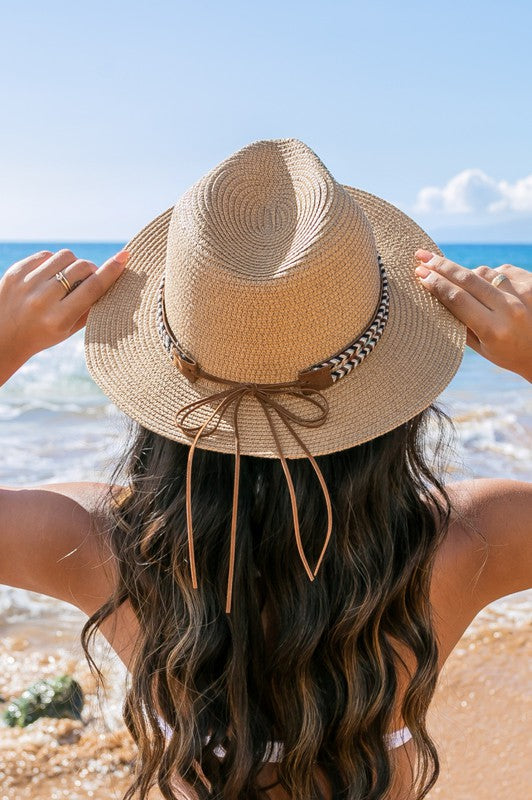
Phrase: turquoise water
(55,423)
(492,255)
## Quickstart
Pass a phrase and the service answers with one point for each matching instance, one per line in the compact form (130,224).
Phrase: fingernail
(424,255)
(121,257)
(426,275)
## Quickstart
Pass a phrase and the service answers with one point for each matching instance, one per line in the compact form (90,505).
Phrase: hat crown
(271,265)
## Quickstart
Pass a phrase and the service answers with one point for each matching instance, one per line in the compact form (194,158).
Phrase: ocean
(56,425)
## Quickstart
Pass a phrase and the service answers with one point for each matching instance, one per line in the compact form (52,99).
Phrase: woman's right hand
(35,310)
(498,318)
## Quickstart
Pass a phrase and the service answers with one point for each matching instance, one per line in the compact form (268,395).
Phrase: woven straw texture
(271,266)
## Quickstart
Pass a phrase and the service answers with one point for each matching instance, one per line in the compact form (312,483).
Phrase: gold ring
(61,277)
(499,279)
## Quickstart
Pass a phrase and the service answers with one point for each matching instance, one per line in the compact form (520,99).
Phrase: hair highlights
(323,674)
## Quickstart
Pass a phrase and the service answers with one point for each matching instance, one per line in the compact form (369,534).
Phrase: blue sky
(109,110)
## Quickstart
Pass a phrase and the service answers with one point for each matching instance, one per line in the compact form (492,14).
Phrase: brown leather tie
(265,393)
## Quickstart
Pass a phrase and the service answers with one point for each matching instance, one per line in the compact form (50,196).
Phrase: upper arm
(50,543)
(498,562)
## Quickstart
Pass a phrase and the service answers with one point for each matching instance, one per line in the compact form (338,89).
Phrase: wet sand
(480,720)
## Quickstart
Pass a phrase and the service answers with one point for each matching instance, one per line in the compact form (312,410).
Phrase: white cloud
(472,192)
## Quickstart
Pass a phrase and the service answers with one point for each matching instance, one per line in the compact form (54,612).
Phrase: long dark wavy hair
(324,680)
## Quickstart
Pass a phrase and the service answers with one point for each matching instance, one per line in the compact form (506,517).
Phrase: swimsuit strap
(397,738)
(274,750)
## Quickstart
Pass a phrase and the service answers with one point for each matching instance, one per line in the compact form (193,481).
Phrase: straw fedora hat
(267,269)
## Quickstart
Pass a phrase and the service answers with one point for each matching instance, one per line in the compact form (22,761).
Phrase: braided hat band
(306,387)
(330,370)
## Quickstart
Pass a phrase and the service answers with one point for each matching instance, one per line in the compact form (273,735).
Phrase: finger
(463,305)
(95,286)
(26,265)
(57,261)
(514,273)
(505,285)
(511,272)
(78,271)
(468,280)
(489,274)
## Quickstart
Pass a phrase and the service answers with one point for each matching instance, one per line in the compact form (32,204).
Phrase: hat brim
(416,357)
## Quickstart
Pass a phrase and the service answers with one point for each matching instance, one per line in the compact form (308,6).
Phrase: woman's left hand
(498,318)
(37,312)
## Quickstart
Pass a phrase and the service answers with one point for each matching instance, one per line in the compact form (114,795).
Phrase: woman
(282,641)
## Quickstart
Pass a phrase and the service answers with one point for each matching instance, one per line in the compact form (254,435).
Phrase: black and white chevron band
(342,363)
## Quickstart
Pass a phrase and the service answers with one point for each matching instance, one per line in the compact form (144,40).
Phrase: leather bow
(266,396)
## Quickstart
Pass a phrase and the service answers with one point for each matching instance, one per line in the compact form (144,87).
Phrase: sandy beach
(479,719)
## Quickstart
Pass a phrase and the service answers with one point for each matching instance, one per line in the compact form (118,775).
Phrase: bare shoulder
(487,553)
(50,542)
(493,523)
(87,494)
